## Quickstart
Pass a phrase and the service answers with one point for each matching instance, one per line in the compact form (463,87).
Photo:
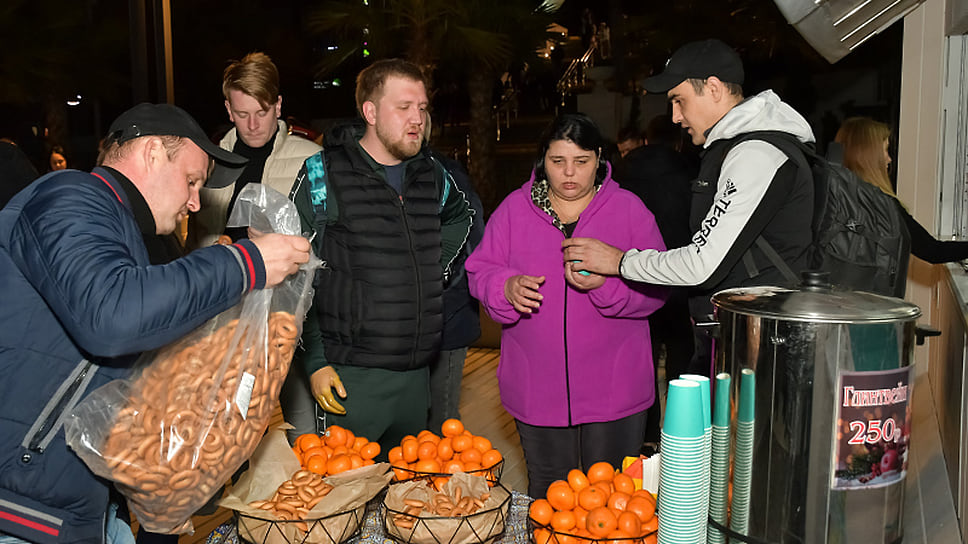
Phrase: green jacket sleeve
(456,216)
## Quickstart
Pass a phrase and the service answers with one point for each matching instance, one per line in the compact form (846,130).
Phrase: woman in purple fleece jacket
(576,364)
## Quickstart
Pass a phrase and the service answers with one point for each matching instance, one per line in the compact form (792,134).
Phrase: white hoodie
(747,171)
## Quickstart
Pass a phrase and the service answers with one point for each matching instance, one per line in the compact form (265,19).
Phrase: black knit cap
(698,60)
(168,120)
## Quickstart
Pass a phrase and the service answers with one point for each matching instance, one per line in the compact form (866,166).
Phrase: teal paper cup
(683,412)
(747,396)
(721,400)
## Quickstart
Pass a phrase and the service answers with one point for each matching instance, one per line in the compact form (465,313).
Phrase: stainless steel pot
(832,418)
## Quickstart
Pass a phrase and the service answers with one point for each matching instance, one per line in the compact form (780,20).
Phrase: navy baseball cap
(168,120)
(697,60)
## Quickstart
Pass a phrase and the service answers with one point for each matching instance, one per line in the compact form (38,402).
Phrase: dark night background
(57,49)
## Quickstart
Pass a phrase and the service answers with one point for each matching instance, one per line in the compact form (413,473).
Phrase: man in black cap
(745,190)
(82,300)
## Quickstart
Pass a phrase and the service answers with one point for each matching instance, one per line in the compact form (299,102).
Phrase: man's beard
(400,148)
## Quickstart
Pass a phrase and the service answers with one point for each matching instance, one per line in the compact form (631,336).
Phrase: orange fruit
(395,455)
(307,441)
(600,472)
(618,537)
(311,452)
(624,483)
(541,511)
(461,442)
(444,450)
(371,449)
(490,458)
(427,465)
(350,439)
(359,443)
(564,538)
(402,475)
(317,464)
(427,436)
(643,508)
(560,495)
(577,480)
(591,497)
(563,520)
(340,450)
(451,427)
(298,452)
(482,443)
(426,450)
(618,501)
(472,468)
(581,515)
(651,539)
(410,449)
(629,523)
(335,436)
(600,522)
(340,463)
(542,536)
(355,460)
(605,487)
(651,526)
(439,482)
(452,466)
(471,455)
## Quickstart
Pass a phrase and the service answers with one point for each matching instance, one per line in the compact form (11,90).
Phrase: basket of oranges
(597,506)
(436,458)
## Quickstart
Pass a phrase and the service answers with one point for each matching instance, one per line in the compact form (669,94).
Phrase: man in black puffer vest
(393,226)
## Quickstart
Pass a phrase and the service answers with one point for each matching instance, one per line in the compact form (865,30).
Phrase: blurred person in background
(57,159)
(865,142)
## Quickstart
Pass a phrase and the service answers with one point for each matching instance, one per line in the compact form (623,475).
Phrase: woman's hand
(522,292)
(582,279)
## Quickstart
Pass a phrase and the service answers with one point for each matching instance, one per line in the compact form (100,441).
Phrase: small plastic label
(244,393)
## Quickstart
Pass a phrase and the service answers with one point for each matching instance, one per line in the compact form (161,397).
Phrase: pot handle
(923,331)
(708,325)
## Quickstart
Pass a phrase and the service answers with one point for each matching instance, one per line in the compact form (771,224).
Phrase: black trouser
(671,327)
(550,452)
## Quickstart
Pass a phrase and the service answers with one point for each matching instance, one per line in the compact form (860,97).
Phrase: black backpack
(859,234)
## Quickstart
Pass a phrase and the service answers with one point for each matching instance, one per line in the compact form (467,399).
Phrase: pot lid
(815,304)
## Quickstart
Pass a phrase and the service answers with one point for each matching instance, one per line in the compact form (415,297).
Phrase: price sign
(873,428)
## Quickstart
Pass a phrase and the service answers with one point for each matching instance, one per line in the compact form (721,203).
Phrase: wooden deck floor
(481,412)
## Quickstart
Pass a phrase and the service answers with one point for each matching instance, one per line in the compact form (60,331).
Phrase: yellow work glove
(322,383)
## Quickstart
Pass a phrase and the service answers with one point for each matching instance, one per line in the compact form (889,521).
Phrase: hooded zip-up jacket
(583,356)
(80,302)
(757,192)
(283,164)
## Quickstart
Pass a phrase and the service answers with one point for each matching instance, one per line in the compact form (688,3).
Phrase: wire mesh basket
(484,525)
(332,529)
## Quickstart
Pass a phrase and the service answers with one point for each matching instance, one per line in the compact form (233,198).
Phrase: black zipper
(59,408)
(416,273)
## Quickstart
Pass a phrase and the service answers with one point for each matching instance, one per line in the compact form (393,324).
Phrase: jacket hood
(344,133)
(764,111)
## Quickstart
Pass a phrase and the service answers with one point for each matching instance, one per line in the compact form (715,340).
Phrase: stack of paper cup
(682,470)
(743,459)
(707,425)
(719,462)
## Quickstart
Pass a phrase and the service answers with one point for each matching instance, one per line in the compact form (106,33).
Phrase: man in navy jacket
(81,301)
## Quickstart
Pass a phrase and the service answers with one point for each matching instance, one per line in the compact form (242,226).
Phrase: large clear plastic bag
(191,413)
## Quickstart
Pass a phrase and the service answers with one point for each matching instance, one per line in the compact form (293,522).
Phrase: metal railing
(574,77)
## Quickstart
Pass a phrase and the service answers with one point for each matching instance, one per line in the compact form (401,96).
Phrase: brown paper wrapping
(333,520)
(481,526)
